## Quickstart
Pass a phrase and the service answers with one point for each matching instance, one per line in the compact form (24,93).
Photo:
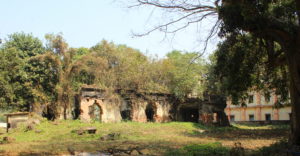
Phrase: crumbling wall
(140,102)
(138,113)
(118,105)
(207,113)
(96,104)
(111,111)
(212,109)
(162,111)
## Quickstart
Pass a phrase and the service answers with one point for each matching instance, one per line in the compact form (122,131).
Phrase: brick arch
(96,111)
(151,111)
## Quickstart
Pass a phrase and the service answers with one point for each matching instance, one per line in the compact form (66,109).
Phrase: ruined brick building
(118,105)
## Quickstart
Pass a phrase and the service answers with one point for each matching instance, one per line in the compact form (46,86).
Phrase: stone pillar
(258,112)
(259,105)
(243,114)
(276,114)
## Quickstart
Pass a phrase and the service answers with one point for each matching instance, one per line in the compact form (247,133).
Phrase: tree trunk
(293,61)
(222,118)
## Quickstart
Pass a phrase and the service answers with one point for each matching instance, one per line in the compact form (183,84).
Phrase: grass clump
(210,149)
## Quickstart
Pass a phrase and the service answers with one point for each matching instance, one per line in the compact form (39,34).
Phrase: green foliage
(253,16)
(241,63)
(130,69)
(26,44)
(46,78)
(17,70)
(80,52)
(185,73)
(259,37)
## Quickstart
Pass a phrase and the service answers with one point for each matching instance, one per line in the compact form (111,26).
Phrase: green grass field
(156,138)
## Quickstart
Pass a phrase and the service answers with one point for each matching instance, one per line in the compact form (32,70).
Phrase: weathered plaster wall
(121,105)
(162,112)
(138,104)
(138,113)
(110,109)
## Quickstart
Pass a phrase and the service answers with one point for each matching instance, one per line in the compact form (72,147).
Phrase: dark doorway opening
(190,114)
(95,112)
(150,113)
(125,114)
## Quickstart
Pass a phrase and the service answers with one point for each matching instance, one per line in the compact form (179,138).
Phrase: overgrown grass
(160,138)
(210,149)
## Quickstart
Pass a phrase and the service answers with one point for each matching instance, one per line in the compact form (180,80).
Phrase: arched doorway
(150,113)
(189,114)
(126,110)
(95,111)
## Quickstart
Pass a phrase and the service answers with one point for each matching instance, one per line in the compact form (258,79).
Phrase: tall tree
(185,73)
(276,22)
(20,73)
(67,67)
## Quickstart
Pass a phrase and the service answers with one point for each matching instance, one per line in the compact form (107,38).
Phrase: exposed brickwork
(143,107)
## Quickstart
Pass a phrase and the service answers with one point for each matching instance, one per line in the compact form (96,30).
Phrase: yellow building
(258,108)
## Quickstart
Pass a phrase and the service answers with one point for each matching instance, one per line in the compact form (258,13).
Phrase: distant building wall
(258,108)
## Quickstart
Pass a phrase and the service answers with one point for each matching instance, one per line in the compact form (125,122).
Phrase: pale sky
(86,22)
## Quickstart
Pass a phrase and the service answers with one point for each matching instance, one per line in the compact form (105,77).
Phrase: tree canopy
(46,78)
(262,39)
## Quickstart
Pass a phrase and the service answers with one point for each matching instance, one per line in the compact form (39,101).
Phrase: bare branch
(191,22)
(212,33)
(164,27)
(187,12)
(182,6)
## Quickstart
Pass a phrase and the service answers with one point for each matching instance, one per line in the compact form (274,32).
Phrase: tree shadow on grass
(233,133)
